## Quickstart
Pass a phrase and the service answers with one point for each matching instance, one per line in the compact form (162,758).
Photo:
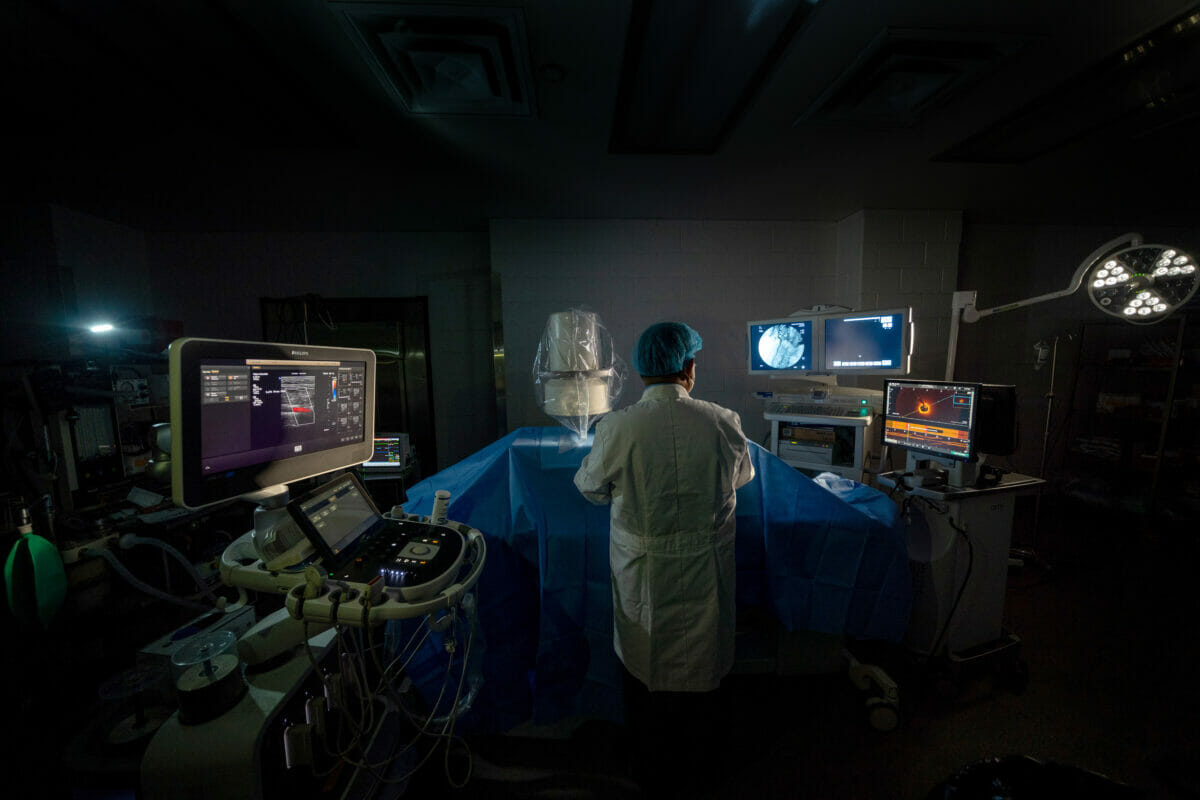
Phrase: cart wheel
(882,715)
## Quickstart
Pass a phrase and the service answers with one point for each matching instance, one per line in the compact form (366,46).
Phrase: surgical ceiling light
(1127,279)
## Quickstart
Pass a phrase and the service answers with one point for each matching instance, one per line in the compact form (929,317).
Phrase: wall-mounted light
(1143,284)
(102,327)
(1127,279)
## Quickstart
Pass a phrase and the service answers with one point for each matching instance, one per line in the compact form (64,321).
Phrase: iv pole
(1030,554)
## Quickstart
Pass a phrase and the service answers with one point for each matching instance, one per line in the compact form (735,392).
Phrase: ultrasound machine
(264,714)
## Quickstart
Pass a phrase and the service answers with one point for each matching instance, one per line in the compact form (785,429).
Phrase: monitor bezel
(190,488)
(787,371)
(902,369)
(973,431)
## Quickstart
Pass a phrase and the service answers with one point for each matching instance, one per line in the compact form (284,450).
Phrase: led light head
(1144,283)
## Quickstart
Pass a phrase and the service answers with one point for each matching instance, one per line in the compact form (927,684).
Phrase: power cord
(961,589)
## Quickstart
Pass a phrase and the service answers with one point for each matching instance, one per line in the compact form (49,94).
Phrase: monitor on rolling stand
(937,422)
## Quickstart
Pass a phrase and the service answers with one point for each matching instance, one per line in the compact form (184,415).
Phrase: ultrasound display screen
(251,413)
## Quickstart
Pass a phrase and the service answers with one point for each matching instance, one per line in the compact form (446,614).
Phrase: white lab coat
(670,466)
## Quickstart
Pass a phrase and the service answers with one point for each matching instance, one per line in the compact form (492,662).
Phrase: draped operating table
(827,560)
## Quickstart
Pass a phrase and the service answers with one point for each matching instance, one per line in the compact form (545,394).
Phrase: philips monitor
(248,418)
(937,418)
(867,342)
(781,346)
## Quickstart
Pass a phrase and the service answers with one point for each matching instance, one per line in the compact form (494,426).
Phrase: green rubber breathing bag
(35,580)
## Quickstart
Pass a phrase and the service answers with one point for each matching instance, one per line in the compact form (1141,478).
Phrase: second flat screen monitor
(867,343)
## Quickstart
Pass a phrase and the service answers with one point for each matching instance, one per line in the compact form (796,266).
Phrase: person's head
(665,353)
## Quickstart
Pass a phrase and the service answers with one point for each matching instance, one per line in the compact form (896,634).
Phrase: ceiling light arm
(962,305)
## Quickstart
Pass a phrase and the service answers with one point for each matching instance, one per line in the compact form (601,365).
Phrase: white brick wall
(911,258)
(715,275)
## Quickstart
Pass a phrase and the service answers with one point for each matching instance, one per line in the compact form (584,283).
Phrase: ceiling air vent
(438,60)
(903,73)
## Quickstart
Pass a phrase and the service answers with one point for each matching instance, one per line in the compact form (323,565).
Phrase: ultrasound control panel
(406,555)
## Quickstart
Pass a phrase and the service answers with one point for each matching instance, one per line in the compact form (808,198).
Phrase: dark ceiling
(311,115)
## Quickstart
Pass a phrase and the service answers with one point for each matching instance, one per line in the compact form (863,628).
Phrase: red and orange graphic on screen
(930,416)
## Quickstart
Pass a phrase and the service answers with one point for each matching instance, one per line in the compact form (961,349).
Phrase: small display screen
(390,452)
(781,346)
(339,513)
(932,417)
(872,341)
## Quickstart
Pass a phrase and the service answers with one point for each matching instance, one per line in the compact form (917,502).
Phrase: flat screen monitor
(390,453)
(867,342)
(249,417)
(998,421)
(334,517)
(937,418)
(781,346)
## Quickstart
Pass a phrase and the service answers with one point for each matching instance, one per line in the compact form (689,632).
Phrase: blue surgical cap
(664,348)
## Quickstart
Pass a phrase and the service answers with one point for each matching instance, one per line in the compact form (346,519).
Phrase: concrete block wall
(911,258)
(714,275)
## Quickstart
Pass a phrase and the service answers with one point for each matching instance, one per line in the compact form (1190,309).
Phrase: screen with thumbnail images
(868,342)
(781,346)
(938,418)
(249,416)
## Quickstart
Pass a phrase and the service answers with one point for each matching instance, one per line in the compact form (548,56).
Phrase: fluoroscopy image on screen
(781,346)
(937,418)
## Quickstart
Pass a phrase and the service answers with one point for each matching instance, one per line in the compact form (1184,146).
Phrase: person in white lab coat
(670,466)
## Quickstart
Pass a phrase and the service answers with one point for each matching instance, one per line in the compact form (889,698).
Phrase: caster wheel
(882,715)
